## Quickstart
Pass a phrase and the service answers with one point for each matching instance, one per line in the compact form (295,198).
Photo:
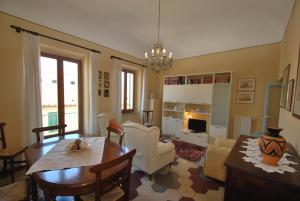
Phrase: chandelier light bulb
(170,55)
(152,51)
(146,55)
(164,52)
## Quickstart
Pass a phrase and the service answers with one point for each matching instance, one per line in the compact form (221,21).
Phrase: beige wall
(259,62)
(11,69)
(289,54)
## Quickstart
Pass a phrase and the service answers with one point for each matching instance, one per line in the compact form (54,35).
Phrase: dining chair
(41,130)
(112,179)
(8,155)
(116,131)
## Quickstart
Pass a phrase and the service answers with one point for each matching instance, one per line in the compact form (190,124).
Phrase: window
(127,91)
(60,87)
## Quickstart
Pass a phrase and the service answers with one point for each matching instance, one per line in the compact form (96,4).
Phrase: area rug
(188,151)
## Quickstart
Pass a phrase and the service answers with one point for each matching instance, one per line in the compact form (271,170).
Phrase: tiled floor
(183,181)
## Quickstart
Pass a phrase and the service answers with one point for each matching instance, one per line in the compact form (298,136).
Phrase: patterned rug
(188,151)
(184,181)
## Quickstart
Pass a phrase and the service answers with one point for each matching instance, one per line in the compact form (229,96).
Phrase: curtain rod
(114,57)
(20,29)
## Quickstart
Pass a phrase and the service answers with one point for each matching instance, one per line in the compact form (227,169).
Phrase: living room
(242,42)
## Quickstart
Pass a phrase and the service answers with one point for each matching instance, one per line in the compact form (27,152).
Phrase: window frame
(60,90)
(125,110)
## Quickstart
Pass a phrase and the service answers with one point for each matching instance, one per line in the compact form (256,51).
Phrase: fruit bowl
(77,145)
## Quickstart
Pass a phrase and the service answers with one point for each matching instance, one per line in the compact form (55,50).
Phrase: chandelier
(159,59)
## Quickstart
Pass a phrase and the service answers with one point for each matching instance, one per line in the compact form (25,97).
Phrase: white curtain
(92,96)
(32,87)
(144,94)
(117,91)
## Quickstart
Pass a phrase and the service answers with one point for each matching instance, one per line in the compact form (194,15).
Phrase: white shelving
(200,96)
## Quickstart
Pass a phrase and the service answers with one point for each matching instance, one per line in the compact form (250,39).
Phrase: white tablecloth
(60,158)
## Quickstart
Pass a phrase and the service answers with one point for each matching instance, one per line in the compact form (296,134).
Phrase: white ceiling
(188,27)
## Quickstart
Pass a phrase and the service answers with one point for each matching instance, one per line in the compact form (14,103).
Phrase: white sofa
(151,154)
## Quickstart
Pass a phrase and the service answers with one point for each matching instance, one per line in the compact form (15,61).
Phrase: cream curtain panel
(32,87)
(117,91)
(93,128)
(144,92)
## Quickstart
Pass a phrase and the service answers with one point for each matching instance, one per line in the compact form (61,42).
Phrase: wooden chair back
(60,128)
(2,135)
(119,171)
(116,131)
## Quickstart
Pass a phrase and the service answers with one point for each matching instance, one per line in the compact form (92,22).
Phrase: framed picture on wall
(106,75)
(285,80)
(290,90)
(99,75)
(296,108)
(246,84)
(106,93)
(245,97)
(106,84)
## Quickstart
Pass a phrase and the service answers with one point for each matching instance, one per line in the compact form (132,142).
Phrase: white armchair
(103,120)
(151,155)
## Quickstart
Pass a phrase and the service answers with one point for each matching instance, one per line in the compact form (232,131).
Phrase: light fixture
(159,59)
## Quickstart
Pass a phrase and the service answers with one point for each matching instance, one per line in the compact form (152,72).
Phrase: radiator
(242,126)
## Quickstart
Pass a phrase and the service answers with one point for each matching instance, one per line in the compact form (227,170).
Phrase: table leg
(49,196)
(33,189)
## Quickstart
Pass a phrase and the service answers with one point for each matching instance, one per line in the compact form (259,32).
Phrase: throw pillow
(114,124)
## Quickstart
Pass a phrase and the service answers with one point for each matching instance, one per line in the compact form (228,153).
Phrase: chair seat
(164,148)
(13,192)
(9,152)
(113,195)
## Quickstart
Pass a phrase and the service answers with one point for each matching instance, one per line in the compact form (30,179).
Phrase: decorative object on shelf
(106,84)
(254,156)
(99,92)
(246,84)
(158,60)
(285,79)
(106,93)
(296,107)
(99,75)
(245,97)
(290,90)
(106,75)
(272,146)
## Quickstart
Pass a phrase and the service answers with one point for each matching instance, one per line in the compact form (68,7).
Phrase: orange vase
(272,146)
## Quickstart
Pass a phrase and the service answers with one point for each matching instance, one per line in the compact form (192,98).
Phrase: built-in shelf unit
(203,96)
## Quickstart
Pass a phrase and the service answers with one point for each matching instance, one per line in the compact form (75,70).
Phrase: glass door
(60,90)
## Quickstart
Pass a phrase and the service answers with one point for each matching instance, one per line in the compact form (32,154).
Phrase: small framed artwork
(246,84)
(99,92)
(246,97)
(296,107)
(106,75)
(99,75)
(290,90)
(99,83)
(285,80)
(106,83)
(106,93)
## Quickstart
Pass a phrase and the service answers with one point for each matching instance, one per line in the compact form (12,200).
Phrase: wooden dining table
(66,182)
